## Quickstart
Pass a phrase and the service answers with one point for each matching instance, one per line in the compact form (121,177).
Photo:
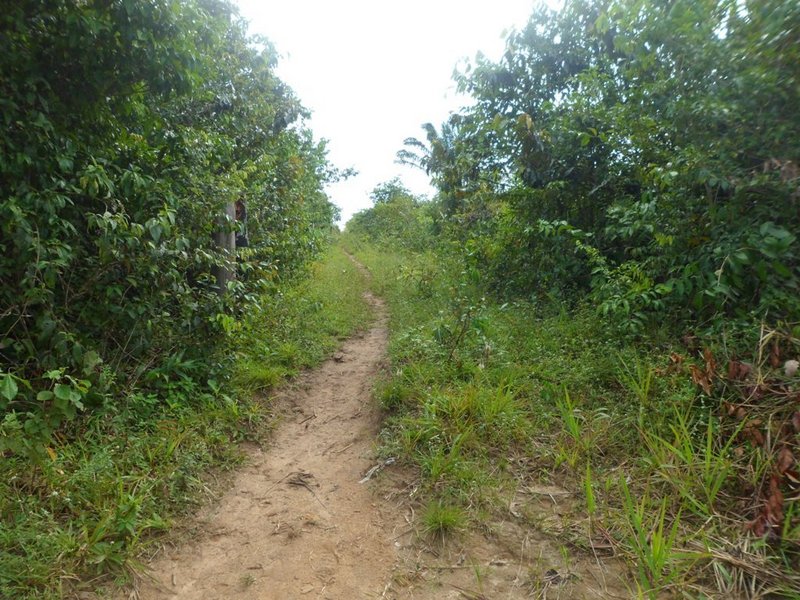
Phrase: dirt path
(302,520)
(296,521)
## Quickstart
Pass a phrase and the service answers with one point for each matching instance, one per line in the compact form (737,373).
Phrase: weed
(638,379)
(588,491)
(256,376)
(578,439)
(697,472)
(657,561)
(569,417)
(395,394)
(442,520)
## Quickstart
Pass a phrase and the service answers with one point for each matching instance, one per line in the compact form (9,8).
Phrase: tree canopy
(127,127)
(644,151)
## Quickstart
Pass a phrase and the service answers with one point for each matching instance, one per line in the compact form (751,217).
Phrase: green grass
(115,482)
(479,387)
(441,520)
(299,327)
(653,542)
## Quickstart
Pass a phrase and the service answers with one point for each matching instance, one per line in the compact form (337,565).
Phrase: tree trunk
(225,240)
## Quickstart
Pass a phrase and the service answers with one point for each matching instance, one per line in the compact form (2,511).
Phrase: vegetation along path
(593,323)
(318,514)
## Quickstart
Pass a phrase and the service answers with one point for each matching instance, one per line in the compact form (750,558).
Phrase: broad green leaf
(8,387)
(63,391)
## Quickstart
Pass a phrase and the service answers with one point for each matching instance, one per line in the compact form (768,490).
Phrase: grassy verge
(485,398)
(120,479)
(299,327)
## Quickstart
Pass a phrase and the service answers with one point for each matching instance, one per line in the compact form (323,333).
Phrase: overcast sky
(373,71)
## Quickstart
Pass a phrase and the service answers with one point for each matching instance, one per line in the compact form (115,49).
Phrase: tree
(390,191)
(128,125)
(397,220)
(621,136)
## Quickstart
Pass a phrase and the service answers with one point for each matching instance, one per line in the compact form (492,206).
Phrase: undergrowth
(683,466)
(297,328)
(112,483)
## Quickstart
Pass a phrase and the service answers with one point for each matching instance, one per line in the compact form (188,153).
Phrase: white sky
(373,71)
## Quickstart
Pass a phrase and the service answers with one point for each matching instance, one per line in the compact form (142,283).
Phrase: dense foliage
(397,219)
(127,127)
(611,298)
(644,151)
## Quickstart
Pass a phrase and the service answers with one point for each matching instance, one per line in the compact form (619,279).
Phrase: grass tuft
(441,521)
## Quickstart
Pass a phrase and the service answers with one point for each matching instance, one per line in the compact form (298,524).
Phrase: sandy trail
(298,523)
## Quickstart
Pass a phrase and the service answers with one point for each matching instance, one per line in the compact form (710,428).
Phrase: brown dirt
(298,522)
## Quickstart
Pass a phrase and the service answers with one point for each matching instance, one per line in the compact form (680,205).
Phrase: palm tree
(440,158)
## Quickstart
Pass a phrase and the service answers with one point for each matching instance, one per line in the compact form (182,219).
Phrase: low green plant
(574,426)
(652,541)
(440,462)
(257,376)
(697,471)
(394,394)
(588,492)
(569,417)
(441,520)
(637,378)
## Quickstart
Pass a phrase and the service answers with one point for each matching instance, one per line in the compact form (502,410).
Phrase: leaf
(155,231)
(90,360)
(8,387)
(758,526)
(65,163)
(775,356)
(711,363)
(738,371)
(63,391)
(700,378)
(743,257)
(782,270)
(774,507)
(752,433)
(785,460)
(675,358)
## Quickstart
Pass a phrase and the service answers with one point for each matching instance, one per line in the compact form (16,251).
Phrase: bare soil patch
(525,554)
(296,522)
